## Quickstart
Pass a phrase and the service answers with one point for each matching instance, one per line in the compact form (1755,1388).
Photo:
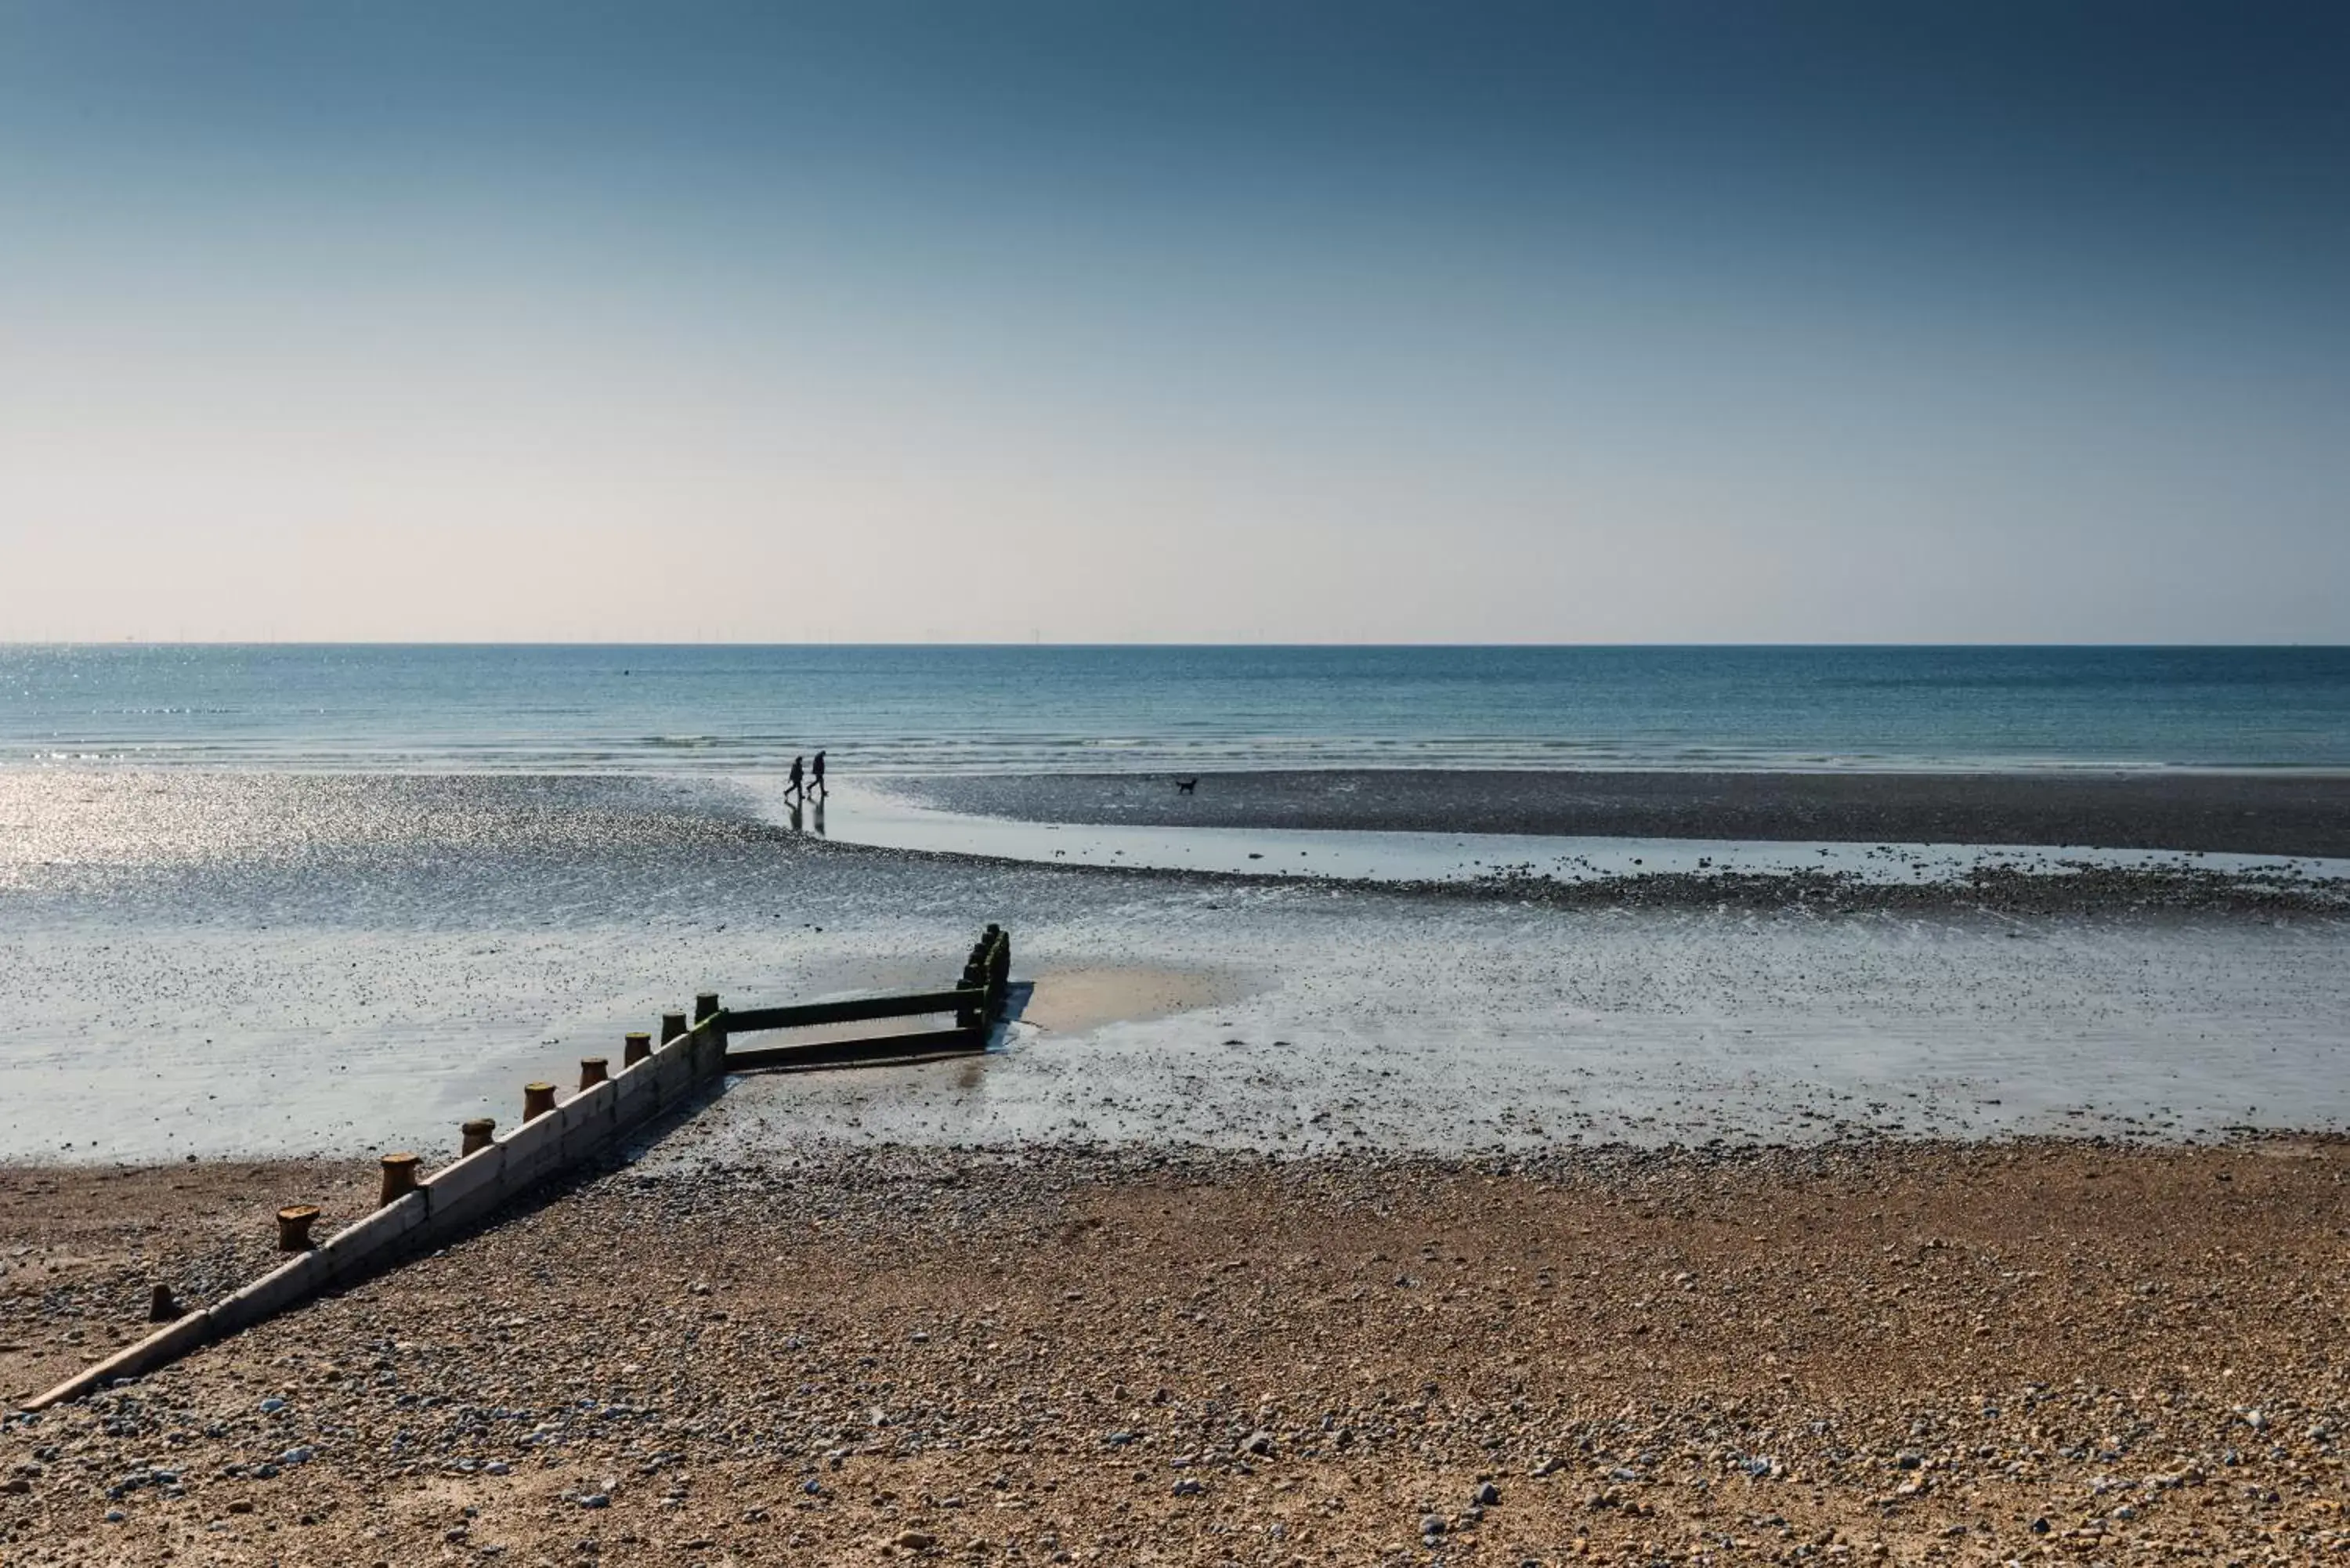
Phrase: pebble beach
(2074,1352)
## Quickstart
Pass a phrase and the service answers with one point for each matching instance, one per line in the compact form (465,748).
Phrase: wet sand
(1886,1352)
(231,965)
(2252,813)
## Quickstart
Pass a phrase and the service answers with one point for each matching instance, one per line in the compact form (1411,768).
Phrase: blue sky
(1198,322)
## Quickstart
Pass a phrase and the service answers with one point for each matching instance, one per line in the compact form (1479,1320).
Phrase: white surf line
(862,814)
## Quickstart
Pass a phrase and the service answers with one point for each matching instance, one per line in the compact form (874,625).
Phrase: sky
(1196,321)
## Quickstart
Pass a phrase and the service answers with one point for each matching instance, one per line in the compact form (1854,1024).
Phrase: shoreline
(2296,816)
(1864,1349)
(1995,880)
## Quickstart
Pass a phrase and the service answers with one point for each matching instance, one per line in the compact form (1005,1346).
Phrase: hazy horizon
(130,640)
(1381,323)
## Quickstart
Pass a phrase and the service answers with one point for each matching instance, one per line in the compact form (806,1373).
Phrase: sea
(945,709)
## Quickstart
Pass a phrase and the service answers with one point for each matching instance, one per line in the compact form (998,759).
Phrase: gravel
(1854,1352)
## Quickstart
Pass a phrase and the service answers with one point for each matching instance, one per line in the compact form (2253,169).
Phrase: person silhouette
(797,788)
(816,772)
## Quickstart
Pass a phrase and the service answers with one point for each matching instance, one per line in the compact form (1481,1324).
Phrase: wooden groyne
(659,1072)
(976,1002)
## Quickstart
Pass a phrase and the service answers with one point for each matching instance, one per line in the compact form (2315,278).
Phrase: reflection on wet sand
(1070,1000)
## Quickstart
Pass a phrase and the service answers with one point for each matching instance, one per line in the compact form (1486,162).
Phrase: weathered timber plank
(857,1009)
(849,1053)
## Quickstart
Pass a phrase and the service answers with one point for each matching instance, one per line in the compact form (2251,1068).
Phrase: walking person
(798,789)
(817,776)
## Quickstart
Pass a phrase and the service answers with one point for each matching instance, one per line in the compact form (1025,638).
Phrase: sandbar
(2241,813)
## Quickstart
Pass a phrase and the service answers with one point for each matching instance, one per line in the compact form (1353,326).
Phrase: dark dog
(1187,786)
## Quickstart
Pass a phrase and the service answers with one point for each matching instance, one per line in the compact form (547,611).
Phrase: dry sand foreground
(1887,1352)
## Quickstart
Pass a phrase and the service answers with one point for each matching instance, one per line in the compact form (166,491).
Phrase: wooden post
(161,1308)
(479,1133)
(999,970)
(294,1223)
(673,1025)
(537,1099)
(635,1048)
(969,1017)
(399,1177)
(707,1016)
(592,1072)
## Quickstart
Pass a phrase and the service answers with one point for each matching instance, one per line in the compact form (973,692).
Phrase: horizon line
(126,642)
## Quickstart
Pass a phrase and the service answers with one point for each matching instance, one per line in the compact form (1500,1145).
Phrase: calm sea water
(946,710)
